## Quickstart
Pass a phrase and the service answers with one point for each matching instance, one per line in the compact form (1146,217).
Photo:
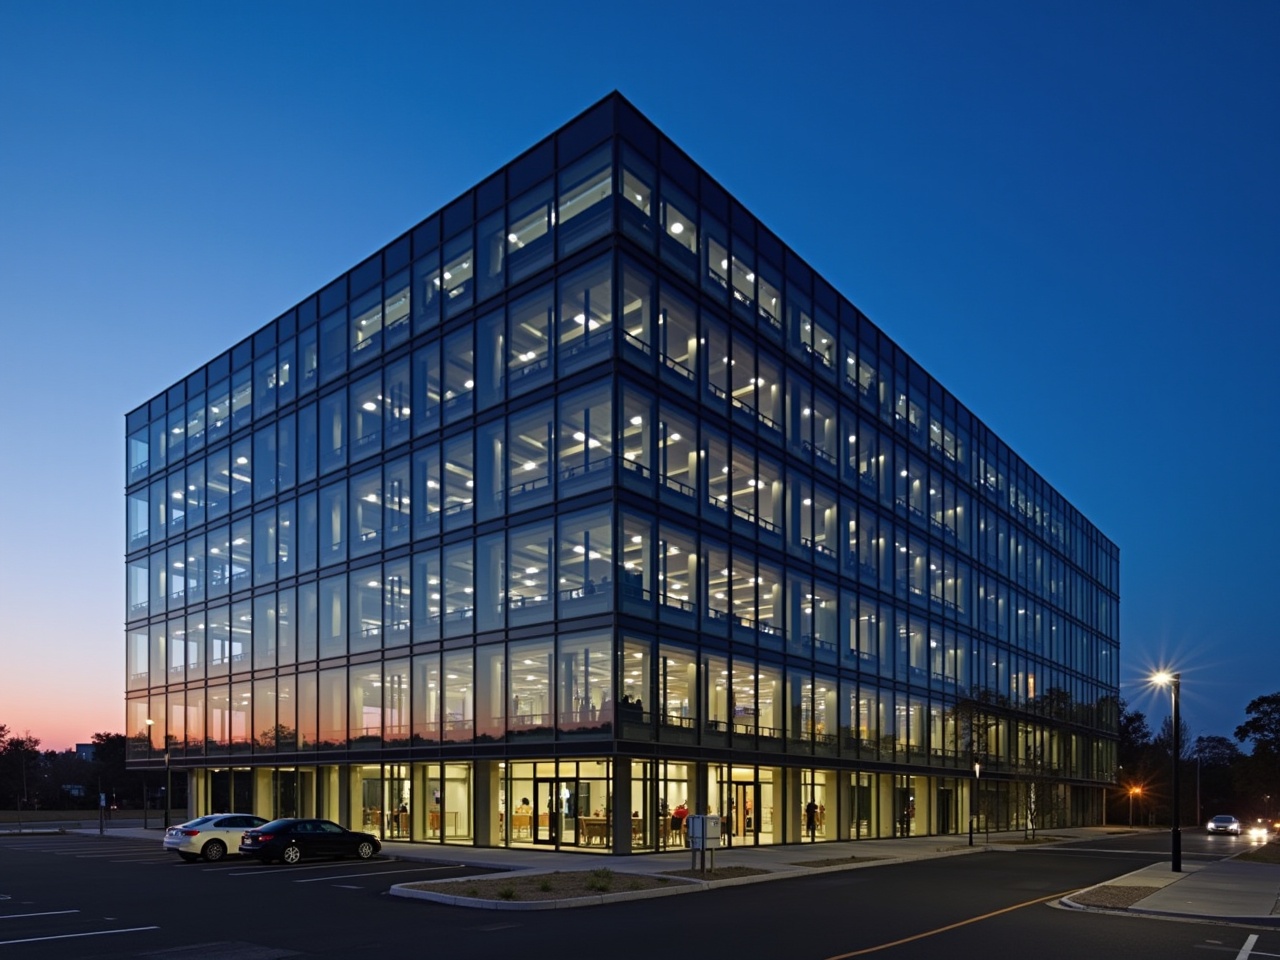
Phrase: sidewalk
(1229,891)
(1222,890)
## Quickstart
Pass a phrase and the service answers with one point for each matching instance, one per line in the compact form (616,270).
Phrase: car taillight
(263,836)
(190,833)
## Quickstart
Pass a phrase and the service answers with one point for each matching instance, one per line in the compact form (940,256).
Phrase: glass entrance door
(741,806)
(557,817)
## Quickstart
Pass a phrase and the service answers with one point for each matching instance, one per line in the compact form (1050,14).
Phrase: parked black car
(293,840)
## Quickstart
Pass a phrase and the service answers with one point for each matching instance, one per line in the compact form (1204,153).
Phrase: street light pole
(1175,832)
(973,799)
(166,789)
(150,724)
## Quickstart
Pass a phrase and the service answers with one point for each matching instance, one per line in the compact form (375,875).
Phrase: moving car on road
(1223,824)
(211,836)
(293,840)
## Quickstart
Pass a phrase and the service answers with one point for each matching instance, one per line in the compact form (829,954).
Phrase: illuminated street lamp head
(1163,678)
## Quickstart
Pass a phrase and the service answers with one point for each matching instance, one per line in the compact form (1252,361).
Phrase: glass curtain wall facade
(587,504)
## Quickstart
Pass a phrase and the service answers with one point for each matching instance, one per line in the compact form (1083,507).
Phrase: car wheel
(291,855)
(189,857)
(214,851)
(365,850)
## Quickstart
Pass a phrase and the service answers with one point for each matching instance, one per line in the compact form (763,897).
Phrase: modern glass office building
(586,499)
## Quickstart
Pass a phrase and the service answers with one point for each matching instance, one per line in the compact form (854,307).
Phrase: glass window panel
(459,696)
(637,189)
(428,388)
(491,248)
(195,646)
(219,421)
(332,620)
(427,292)
(158,444)
(458,275)
(679,231)
(584,683)
(333,431)
(139,453)
(715,258)
(241,554)
(427,695)
(459,590)
(459,374)
(490,578)
(678,337)
(491,360)
(265,457)
(332,701)
(637,567)
(287,626)
(637,306)
(677,450)
(489,482)
(241,398)
(529,672)
(218,633)
(242,473)
(307,532)
(196,564)
(584,563)
(677,562)
(427,504)
(308,620)
(196,408)
(241,636)
(397,614)
(395,502)
(265,546)
(365,610)
(585,438)
(366,405)
(459,481)
(529,322)
(366,513)
(426,596)
(585,188)
(219,561)
(308,443)
(333,523)
(637,436)
(264,631)
(176,436)
(264,384)
(529,572)
(395,309)
(529,460)
(586,316)
(287,452)
(529,232)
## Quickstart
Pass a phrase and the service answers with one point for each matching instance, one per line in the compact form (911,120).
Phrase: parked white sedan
(210,837)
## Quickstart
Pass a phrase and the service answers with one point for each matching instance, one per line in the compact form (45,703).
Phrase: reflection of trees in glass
(278,737)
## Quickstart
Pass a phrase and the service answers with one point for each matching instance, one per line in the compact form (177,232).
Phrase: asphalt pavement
(1225,890)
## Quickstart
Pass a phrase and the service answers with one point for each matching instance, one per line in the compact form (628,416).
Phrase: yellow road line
(950,926)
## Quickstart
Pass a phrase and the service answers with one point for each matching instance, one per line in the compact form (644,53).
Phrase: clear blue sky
(1068,212)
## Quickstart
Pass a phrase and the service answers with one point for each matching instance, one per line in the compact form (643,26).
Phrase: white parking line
(1247,948)
(47,913)
(260,872)
(378,873)
(70,936)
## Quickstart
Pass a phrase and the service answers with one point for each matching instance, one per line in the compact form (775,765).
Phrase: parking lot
(74,895)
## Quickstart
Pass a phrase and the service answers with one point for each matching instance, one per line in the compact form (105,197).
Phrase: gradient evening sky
(1067,212)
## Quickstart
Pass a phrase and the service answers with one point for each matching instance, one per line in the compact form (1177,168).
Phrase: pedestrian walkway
(1231,890)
